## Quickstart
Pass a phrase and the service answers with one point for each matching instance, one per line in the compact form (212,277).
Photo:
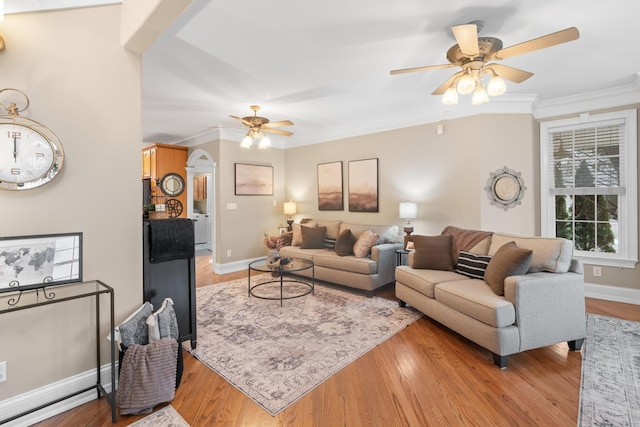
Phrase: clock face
(28,156)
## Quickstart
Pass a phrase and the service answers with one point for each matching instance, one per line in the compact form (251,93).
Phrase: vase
(272,255)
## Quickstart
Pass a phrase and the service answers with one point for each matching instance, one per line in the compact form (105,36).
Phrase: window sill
(607,262)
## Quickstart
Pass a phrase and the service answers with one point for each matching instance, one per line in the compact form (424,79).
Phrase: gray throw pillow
(163,323)
(134,329)
(509,260)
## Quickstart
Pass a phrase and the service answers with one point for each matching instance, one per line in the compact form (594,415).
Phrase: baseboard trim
(232,267)
(612,293)
(40,396)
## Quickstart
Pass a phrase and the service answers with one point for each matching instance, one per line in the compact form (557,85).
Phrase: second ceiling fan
(473,54)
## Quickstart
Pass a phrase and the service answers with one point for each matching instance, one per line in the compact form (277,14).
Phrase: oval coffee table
(280,274)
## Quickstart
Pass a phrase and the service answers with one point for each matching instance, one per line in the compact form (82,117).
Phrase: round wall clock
(30,153)
(505,188)
(172,184)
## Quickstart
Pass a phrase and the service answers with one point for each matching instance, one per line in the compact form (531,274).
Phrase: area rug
(276,354)
(610,386)
(165,417)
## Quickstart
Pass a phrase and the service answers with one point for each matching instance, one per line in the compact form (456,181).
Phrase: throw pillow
(133,330)
(433,252)
(509,260)
(287,238)
(364,243)
(345,242)
(313,238)
(472,265)
(296,238)
(163,323)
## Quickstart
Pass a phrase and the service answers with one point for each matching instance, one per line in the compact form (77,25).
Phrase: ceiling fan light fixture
(466,84)
(450,96)
(480,95)
(496,86)
(264,142)
(247,141)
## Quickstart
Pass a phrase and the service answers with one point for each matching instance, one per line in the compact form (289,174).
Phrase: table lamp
(408,211)
(290,209)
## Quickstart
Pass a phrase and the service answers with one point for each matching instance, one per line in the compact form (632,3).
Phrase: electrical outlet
(597,271)
(3,371)
(228,253)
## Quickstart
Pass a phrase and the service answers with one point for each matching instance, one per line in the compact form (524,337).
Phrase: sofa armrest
(550,307)
(385,257)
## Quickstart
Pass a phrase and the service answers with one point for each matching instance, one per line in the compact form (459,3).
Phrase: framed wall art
(253,180)
(363,185)
(330,184)
(29,262)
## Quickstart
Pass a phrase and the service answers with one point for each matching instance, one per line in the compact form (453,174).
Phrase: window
(589,185)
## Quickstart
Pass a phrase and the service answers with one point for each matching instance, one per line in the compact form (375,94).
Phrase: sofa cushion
(345,242)
(424,281)
(298,252)
(313,237)
(296,239)
(509,260)
(386,233)
(551,254)
(346,263)
(433,252)
(366,240)
(476,299)
(472,265)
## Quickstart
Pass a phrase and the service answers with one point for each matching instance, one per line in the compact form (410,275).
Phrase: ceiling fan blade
(277,131)
(242,120)
(426,68)
(467,37)
(277,124)
(509,73)
(446,85)
(549,40)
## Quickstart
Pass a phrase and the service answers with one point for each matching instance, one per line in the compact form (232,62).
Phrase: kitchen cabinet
(158,160)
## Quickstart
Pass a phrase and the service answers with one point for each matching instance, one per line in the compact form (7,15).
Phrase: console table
(39,297)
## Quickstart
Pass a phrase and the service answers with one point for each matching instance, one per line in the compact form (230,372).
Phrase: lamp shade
(289,208)
(408,210)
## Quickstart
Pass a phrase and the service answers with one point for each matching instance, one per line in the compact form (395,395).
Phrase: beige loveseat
(540,306)
(368,272)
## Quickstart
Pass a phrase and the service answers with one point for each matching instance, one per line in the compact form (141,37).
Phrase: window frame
(627,255)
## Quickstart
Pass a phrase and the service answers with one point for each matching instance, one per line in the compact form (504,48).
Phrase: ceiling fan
(258,126)
(474,55)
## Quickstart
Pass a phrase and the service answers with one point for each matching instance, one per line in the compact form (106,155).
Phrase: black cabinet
(175,279)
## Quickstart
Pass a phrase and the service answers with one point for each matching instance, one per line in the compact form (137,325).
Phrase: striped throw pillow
(472,265)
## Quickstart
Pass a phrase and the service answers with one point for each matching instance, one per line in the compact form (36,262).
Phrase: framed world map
(29,262)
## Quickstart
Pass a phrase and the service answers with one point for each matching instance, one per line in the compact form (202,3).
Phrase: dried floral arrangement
(274,242)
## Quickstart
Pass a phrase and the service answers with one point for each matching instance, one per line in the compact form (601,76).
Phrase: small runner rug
(165,417)
(610,386)
(276,354)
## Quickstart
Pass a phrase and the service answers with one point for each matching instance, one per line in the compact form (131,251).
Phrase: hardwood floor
(426,375)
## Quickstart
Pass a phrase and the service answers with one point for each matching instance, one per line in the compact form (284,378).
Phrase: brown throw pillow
(313,237)
(433,252)
(509,260)
(345,242)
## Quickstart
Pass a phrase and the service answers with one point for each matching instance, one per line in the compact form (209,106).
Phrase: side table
(401,256)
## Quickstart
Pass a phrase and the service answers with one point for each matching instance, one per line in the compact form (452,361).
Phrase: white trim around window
(627,253)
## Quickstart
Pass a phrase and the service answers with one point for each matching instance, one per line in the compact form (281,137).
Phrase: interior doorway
(201,203)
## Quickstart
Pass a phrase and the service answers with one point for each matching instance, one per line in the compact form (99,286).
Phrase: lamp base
(289,221)
(408,230)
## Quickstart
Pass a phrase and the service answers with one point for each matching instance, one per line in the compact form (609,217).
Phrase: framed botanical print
(330,195)
(363,185)
(253,180)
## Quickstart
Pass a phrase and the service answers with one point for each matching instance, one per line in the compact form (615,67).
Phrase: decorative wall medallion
(505,188)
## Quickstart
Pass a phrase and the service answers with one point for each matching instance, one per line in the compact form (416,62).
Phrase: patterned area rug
(277,354)
(165,417)
(610,386)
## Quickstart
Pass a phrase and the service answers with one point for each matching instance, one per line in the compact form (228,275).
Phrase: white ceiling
(325,64)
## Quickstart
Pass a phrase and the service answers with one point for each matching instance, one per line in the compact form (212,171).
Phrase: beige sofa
(543,306)
(365,273)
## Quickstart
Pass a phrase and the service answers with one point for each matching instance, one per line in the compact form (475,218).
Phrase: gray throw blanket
(147,376)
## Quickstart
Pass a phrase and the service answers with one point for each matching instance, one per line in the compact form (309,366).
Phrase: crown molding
(597,100)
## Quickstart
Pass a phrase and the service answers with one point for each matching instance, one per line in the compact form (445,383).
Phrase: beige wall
(86,88)
(445,174)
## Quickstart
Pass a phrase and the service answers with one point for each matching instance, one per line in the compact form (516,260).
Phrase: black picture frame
(363,185)
(38,261)
(253,180)
(330,186)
